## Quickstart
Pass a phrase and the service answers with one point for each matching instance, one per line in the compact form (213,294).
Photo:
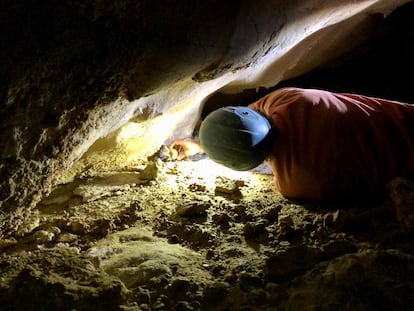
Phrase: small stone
(150,172)
(253,229)
(196,187)
(228,186)
(66,238)
(337,248)
(241,214)
(43,236)
(272,214)
(286,228)
(173,239)
(55,230)
(194,209)
(335,219)
(221,218)
(77,227)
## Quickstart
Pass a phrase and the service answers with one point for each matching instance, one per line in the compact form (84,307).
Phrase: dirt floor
(190,235)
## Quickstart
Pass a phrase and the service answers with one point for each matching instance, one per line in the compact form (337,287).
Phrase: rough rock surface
(124,240)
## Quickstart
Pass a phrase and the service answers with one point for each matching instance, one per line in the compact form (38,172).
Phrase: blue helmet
(237,137)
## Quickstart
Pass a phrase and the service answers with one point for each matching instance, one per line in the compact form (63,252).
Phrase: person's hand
(183,148)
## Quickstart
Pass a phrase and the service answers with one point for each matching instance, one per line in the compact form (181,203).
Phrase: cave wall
(75,71)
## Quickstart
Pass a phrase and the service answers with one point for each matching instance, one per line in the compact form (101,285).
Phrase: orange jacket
(331,146)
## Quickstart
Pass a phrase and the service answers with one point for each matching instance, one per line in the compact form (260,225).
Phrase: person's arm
(183,148)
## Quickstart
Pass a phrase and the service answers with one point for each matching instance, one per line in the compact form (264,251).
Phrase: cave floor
(178,236)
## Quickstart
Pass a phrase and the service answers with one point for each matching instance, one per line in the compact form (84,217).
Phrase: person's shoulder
(295,95)
(287,98)
(288,90)
(298,92)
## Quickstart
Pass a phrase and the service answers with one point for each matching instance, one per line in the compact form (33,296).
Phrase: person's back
(331,146)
